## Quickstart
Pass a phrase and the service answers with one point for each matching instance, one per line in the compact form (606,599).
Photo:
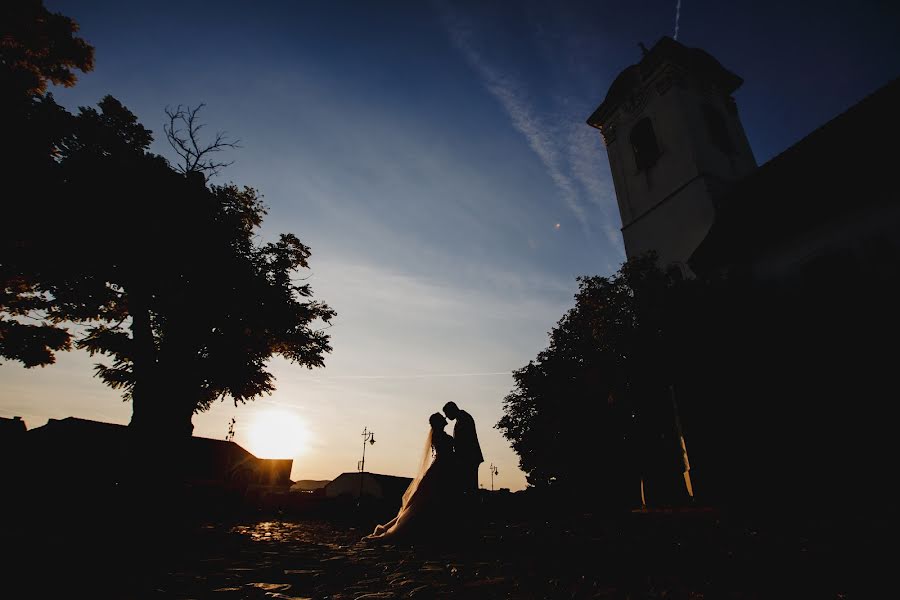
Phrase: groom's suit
(467,450)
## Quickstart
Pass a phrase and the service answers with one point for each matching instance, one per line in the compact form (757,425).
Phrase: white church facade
(811,238)
(688,186)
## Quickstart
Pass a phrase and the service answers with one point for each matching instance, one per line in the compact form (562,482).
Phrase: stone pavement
(534,554)
(314,560)
(665,558)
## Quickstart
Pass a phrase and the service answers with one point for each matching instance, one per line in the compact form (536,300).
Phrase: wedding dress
(427,502)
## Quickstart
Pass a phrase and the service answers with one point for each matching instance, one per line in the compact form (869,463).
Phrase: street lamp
(494,471)
(368,436)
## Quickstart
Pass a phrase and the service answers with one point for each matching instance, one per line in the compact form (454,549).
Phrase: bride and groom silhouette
(447,479)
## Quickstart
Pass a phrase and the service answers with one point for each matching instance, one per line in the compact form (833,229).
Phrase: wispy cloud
(513,97)
(570,152)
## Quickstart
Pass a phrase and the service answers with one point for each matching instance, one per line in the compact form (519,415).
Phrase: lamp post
(368,436)
(494,471)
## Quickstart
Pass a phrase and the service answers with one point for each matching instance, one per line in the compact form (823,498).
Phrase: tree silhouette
(106,247)
(595,399)
(39,47)
(183,134)
(780,386)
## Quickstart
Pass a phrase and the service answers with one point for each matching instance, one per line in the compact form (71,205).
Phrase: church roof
(839,168)
(694,60)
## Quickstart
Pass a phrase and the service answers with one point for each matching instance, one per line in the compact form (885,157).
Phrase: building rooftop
(694,60)
(833,171)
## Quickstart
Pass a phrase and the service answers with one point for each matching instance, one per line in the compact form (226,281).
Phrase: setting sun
(277,434)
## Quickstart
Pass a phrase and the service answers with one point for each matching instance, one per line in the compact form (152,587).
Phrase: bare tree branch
(183,134)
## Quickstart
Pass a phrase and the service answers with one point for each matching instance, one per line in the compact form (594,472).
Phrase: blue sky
(434,156)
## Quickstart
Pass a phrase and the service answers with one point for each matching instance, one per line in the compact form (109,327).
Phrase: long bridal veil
(423,468)
(413,499)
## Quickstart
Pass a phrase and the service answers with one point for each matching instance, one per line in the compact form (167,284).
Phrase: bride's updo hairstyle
(437,421)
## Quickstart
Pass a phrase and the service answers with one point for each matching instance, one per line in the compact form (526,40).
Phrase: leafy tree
(37,47)
(108,248)
(779,386)
(596,404)
(165,274)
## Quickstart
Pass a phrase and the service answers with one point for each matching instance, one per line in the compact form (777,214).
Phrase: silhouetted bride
(430,493)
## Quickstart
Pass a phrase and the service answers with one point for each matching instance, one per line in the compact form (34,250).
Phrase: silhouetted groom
(466,447)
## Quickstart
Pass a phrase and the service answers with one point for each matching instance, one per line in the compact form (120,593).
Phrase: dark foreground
(688,554)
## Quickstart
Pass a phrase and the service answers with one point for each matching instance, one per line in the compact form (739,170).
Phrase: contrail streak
(421,376)
(677,18)
(516,102)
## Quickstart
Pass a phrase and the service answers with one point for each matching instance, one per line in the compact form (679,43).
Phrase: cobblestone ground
(661,557)
(125,551)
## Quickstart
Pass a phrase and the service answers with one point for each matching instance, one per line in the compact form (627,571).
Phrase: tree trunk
(143,419)
(160,430)
(161,399)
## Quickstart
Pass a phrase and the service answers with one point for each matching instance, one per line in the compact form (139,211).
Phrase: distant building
(375,485)
(309,485)
(93,451)
(12,435)
(12,428)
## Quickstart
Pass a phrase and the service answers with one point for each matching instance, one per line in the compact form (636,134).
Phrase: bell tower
(675,142)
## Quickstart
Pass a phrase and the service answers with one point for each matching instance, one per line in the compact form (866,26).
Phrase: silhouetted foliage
(778,386)
(593,408)
(107,247)
(37,46)
(183,134)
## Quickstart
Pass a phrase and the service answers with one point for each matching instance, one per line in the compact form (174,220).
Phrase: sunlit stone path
(640,557)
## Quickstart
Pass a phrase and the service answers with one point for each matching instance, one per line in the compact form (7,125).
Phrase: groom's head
(451,410)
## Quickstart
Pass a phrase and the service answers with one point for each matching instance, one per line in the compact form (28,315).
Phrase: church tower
(675,142)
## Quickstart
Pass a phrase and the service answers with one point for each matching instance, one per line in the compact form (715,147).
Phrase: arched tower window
(718,131)
(643,143)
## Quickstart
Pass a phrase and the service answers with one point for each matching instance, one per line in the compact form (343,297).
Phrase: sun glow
(278,433)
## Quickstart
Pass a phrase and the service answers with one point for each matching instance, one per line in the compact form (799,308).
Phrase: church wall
(675,228)
(691,170)
(709,158)
(617,167)
(645,189)
(853,239)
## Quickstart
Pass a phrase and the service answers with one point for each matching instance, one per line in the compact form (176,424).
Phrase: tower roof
(698,63)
